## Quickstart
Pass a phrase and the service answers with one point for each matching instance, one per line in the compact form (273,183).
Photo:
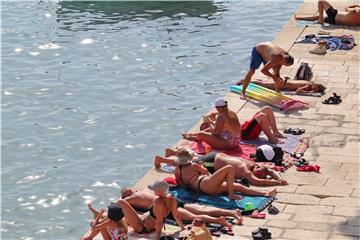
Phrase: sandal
(227,231)
(296,155)
(215,232)
(309,168)
(261,233)
(256,214)
(301,162)
(273,210)
(294,131)
(335,99)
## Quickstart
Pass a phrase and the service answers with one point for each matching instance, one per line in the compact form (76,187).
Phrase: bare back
(351,18)
(231,122)
(187,175)
(269,51)
(141,199)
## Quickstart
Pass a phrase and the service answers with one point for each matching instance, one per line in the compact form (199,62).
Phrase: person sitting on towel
(163,205)
(224,133)
(262,121)
(350,17)
(299,86)
(273,57)
(257,174)
(196,177)
(143,199)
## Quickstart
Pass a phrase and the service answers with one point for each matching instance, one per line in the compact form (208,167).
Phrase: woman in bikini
(196,177)
(299,86)
(110,225)
(163,205)
(256,174)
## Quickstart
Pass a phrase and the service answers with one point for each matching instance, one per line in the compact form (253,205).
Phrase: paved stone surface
(321,205)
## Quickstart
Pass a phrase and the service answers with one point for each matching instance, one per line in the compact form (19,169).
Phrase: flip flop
(256,214)
(301,162)
(294,131)
(273,210)
(227,231)
(296,155)
(309,168)
(263,231)
(215,232)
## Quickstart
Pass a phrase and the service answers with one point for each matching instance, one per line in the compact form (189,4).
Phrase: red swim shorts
(251,129)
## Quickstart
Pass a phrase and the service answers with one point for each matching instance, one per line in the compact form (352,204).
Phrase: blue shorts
(256,59)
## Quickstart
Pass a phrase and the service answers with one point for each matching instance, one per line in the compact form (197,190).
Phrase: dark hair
(115,212)
(321,87)
(289,59)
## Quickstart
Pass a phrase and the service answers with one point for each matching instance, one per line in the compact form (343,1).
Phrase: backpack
(304,72)
(267,153)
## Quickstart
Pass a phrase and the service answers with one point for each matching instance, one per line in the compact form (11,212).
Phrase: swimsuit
(117,234)
(227,135)
(251,129)
(331,15)
(209,160)
(256,59)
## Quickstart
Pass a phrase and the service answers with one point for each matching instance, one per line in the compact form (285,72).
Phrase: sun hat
(115,212)
(220,103)
(159,185)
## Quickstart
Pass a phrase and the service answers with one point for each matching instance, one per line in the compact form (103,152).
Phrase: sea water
(92,91)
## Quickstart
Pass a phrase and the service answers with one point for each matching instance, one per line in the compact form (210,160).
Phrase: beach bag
(267,153)
(304,72)
(199,231)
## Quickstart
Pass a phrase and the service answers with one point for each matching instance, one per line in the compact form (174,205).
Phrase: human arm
(304,89)
(275,64)
(97,226)
(259,181)
(201,169)
(275,175)
(175,212)
(219,123)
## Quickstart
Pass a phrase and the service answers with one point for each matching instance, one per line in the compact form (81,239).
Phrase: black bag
(304,72)
(278,155)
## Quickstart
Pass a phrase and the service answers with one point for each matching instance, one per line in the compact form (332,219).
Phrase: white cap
(220,103)
(159,185)
(268,151)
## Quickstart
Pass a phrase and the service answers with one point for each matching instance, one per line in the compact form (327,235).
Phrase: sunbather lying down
(257,174)
(195,176)
(300,86)
(143,199)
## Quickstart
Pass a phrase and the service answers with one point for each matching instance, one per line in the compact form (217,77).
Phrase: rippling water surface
(91,91)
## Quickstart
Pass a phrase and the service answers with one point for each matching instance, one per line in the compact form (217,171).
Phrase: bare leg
(271,118)
(170,152)
(261,118)
(307,18)
(95,232)
(214,211)
(190,136)
(251,192)
(214,141)
(322,5)
(131,216)
(212,183)
(246,82)
(158,160)
(186,215)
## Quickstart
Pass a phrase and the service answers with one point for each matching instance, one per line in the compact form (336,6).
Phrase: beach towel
(220,201)
(301,147)
(303,24)
(269,96)
(243,150)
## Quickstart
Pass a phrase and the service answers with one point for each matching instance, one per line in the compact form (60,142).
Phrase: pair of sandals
(334,99)
(216,230)
(300,161)
(294,131)
(261,234)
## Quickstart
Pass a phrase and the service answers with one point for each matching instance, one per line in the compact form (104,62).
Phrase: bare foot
(240,82)
(189,136)
(274,140)
(279,135)
(235,197)
(222,221)
(157,162)
(319,21)
(242,96)
(271,193)
(238,217)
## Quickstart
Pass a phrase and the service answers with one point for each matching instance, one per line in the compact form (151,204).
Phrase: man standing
(273,57)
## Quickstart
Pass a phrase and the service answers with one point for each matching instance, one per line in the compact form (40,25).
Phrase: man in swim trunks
(273,57)
(256,173)
(143,199)
(225,133)
(350,17)
(299,86)
(196,177)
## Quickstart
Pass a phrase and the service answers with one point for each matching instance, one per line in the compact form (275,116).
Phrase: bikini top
(151,210)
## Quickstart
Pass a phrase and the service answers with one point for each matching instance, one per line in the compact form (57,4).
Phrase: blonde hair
(183,152)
